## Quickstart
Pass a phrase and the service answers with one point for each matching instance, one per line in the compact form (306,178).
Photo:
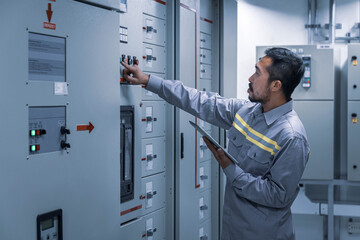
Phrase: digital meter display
(47,224)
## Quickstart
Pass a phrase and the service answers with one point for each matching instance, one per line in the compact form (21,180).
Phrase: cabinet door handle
(182,145)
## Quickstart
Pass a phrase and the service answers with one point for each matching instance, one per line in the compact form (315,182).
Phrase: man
(265,135)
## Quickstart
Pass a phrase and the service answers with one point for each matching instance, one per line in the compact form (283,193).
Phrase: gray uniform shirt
(272,150)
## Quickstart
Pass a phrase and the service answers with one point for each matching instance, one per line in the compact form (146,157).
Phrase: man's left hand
(219,154)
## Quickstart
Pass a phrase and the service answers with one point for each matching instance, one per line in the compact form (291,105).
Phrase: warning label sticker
(46,58)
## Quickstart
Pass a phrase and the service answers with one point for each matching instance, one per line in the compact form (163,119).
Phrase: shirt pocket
(235,143)
(259,161)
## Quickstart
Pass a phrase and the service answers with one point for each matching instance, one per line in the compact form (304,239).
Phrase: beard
(260,98)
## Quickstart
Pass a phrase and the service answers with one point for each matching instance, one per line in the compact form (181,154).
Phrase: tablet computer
(212,140)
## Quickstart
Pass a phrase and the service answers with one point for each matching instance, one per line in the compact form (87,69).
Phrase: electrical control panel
(353,111)
(47,129)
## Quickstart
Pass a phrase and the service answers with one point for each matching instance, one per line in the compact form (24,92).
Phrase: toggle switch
(149,58)
(149,233)
(64,130)
(203,147)
(204,207)
(135,60)
(123,57)
(64,145)
(205,237)
(129,60)
(203,177)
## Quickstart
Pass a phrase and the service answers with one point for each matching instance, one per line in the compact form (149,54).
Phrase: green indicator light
(33,148)
(33,133)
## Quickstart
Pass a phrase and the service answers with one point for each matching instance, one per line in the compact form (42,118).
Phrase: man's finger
(130,78)
(221,153)
(132,69)
(210,146)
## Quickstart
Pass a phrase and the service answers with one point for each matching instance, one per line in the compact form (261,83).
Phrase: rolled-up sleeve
(279,186)
(207,106)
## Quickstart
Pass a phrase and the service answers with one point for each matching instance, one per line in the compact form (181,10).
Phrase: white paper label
(149,162)
(46,58)
(148,93)
(149,124)
(149,51)
(201,173)
(149,226)
(149,190)
(201,232)
(201,212)
(202,144)
(324,46)
(60,88)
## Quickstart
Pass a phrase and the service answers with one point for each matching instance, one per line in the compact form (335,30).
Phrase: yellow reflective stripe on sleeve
(266,139)
(253,140)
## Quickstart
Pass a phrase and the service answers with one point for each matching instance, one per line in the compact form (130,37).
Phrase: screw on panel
(27,158)
(141,104)
(27,83)
(67,35)
(67,103)
(355,86)
(27,29)
(27,105)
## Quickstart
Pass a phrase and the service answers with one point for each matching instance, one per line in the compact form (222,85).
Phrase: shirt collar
(274,114)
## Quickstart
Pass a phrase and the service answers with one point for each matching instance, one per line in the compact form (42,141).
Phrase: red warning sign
(51,26)
(49,13)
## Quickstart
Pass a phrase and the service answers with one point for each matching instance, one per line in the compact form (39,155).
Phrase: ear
(276,85)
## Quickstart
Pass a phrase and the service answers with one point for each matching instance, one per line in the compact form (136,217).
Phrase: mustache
(250,86)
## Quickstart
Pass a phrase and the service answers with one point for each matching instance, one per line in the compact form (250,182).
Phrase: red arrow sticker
(89,127)
(49,14)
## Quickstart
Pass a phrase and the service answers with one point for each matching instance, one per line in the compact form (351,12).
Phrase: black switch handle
(63,130)
(182,145)
(64,145)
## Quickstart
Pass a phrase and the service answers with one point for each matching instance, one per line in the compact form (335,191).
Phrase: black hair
(287,67)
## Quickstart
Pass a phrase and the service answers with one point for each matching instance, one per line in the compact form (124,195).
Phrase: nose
(251,78)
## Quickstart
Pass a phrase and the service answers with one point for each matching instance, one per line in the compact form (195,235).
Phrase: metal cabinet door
(205,71)
(152,119)
(154,8)
(205,85)
(152,156)
(205,175)
(205,56)
(205,205)
(353,72)
(154,30)
(154,58)
(205,230)
(153,192)
(205,41)
(318,120)
(353,161)
(204,152)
